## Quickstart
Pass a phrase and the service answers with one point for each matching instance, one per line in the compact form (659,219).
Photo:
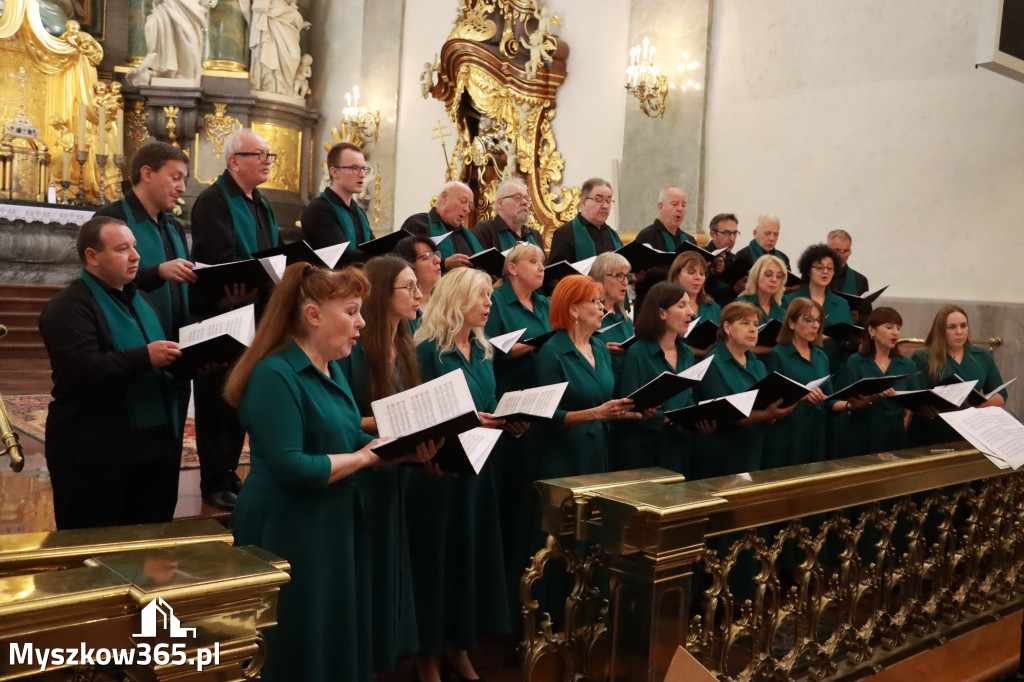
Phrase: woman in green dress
(577,437)
(691,271)
(874,424)
(611,271)
(300,500)
(766,283)
(454,531)
(802,437)
(384,363)
(422,254)
(734,448)
(659,348)
(947,351)
(817,267)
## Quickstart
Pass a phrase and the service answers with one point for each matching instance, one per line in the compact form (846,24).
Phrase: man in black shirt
(334,216)
(230,222)
(587,234)
(453,205)
(112,448)
(666,233)
(847,280)
(508,226)
(724,229)
(766,235)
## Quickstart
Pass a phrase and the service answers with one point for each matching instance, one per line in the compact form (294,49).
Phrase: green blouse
(777,312)
(508,315)
(878,428)
(836,310)
(616,335)
(709,310)
(802,437)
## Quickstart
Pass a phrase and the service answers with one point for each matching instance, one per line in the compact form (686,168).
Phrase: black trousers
(219,436)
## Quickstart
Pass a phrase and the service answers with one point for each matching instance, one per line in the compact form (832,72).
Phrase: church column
(137,12)
(227,44)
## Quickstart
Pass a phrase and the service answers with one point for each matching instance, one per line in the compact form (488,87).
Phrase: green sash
(151,250)
(671,242)
(148,393)
(755,250)
(507,239)
(849,282)
(345,218)
(584,244)
(243,222)
(445,247)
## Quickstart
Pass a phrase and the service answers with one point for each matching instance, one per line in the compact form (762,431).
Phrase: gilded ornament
(219,125)
(135,123)
(83,42)
(171,113)
(287,144)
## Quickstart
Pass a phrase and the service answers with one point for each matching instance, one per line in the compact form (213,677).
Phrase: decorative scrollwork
(135,123)
(172,124)
(219,125)
(83,42)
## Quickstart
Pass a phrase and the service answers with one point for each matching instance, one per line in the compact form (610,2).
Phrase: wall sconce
(359,120)
(644,82)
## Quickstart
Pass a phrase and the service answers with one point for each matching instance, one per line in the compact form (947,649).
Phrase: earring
(576,320)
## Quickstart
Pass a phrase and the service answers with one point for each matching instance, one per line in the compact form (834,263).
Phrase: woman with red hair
(577,440)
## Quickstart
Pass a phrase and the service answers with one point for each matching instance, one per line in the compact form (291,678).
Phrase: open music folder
(668,385)
(219,339)
(529,404)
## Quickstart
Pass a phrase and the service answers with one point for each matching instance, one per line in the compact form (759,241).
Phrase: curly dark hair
(811,255)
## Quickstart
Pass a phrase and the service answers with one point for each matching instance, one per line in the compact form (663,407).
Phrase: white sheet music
(583,266)
(504,342)
(240,324)
(330,255)
(541,401)
(955,393)
(602,330)
(744,402)
(988,396)
(718,252)
(425,405)
(993,431)
(440,238)
(275,265)
(478,443)
(693,325)
(698,371)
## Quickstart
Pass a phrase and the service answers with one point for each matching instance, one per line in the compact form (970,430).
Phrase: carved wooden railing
(819,571)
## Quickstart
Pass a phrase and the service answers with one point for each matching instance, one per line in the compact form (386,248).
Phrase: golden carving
(376,198)
(219,125)
(287,144)
(502,100)
(83,42)
(172,124)
(135,123)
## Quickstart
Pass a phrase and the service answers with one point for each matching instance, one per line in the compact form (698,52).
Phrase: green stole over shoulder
(584,244)
(671,243)
(349,229)
(151,251)
(244,222)
(148,393)
(849,282)
(507,239)
(445,247)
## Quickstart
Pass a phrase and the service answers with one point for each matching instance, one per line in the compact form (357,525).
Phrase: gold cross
(442,134)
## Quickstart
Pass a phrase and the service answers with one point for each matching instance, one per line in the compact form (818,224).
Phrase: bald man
(454,203)
(666,232)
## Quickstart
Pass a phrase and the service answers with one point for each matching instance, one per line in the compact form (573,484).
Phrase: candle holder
(65,186)
(119,162)
(101,161)
(82,157)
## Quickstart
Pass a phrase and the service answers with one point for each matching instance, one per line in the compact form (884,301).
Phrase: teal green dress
(652,442)
(836,310)
(382,492)
(581,449)
(730,449)
(454,531)
(508,315)
(616,335)
(977,365)
(777,311)
(878,428)
(296,416)
(709,310)
(803,436)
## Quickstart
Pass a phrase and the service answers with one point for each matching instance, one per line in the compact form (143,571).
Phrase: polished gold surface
(219,125)
(287,144)
(135,123)
(171,115)
(9,445)
(819,571)
(223,65)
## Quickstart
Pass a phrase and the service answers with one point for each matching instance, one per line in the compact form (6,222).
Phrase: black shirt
(148,278)
(419,224)
(320,226)
(563,243)
(860,284)
(654,235)
(213,229)
(487,233)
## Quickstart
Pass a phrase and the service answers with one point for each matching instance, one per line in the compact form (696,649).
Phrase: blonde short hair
(758,269)
(453,295)
(604,264)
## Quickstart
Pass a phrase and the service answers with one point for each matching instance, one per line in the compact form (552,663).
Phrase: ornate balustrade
(820,571)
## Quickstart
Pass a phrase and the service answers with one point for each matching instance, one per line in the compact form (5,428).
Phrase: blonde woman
(611,271)
(766,284)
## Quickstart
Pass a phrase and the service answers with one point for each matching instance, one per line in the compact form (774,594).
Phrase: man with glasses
(587,234)
(724,230)
(508,226)
(666,232)
(230,221)
(454,203)
(847,280)
(334,216)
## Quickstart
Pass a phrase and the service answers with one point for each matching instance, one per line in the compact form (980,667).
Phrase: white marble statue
(174,37)
(274,28)
(305,73)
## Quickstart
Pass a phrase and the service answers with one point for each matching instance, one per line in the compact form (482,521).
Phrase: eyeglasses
(824,268)
(602,200)
(262,156)
(622,277)
(521,198)
(411,288)
(727,233)
(364,170)
(429,255)
(598,303)
(811,320)
(843,252)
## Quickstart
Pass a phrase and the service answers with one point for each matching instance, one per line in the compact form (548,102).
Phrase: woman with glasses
(803,436)
(454,531)
(383,363)
(690,270)
(817,266)
(422,255)
(300,500)
(611,271)
(659,348)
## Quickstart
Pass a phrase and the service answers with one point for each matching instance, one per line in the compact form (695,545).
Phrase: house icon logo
(160,611)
